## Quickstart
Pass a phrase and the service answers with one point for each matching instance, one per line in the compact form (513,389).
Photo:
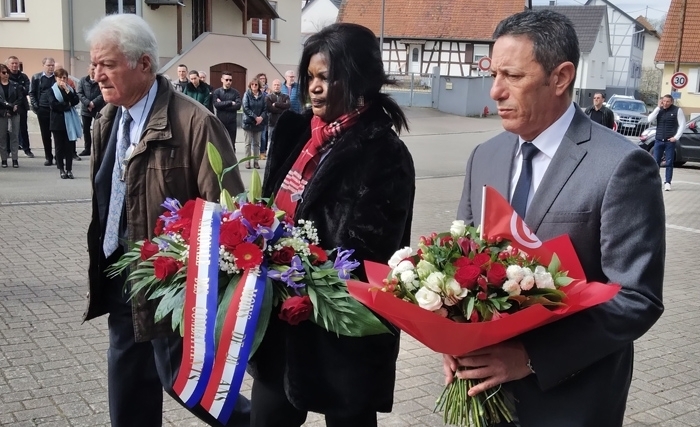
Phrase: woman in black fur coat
(355,179)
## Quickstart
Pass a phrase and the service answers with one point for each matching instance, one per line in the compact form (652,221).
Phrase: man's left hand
(672,139)
(494,365)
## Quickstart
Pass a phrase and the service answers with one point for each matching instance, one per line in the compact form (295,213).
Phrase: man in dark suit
(149,143)
(565,175)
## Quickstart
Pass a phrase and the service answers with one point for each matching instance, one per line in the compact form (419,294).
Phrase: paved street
(53,367)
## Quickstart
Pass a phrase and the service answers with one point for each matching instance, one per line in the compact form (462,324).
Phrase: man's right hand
(449,367)
(661,102)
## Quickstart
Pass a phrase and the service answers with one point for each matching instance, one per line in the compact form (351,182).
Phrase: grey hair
(130,33)
(47,59)
(289,72)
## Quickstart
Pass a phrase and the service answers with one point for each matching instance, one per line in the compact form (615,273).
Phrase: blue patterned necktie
(116,198)
(522,188)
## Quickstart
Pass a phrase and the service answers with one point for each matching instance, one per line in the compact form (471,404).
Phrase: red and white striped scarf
(322,137)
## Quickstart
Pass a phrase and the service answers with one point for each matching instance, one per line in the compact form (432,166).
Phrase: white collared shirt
(139,114)
(547,142)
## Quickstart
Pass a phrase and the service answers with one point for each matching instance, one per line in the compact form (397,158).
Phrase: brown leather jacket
(169,161)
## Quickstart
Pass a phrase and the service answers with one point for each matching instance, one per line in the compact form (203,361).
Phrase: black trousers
(44,117)
(137,372)
(87,135)
(64,150)
(23,130)
(271,408)
(231,128)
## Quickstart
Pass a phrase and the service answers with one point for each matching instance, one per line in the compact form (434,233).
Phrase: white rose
(512,287)
(403,266)
(410,280)
(399,256)
(428,299)
(435,281)
(544,281)
(527,271)
(527,283)
(458,228)
(540,270)
(454,292)
(515,272)
(424,268)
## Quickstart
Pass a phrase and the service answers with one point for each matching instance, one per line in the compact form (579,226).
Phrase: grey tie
(522,188)
(116,198)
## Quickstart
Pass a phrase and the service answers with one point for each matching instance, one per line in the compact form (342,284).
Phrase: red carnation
(258,215)
(247,255)
(463,262)
(467,276)
(496,274)
(148,250)
(283,256)
(481,259)
(232,234)
(165,266)
(296,309)
(318,255)
(187,210)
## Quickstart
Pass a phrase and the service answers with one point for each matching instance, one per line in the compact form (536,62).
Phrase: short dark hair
(182,65)
(355,69)
(599,93)
(669,96)
(4,67)
(226,73)
(194,72)
(552,34)
(61,72)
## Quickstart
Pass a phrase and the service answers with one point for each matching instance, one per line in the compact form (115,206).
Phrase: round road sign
(679,80)
(484,64)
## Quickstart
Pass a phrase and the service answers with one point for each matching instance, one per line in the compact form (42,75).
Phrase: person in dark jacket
(22,80)
(253,120)
(39,89)
(277,103)
(198,90)
(599,113)
(227,102)
(11,98)
(357,199)
(62,100)
(182,79)
(92,102)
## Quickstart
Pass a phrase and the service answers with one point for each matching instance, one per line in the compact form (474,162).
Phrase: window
(480,51)
(14,8)
(415,55)
(602,70)
(120,6)
(592,68)
(259,26)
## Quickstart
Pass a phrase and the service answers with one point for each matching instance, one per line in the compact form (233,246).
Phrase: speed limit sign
(679,80)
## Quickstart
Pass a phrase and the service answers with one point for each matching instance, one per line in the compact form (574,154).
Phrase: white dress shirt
(139,113)
(547,142)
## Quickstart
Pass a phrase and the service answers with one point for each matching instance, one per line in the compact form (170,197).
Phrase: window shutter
(256,26)
(265,26)
(693,80)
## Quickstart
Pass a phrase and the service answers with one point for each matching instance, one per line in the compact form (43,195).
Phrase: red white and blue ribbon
(237,336)
(201,295)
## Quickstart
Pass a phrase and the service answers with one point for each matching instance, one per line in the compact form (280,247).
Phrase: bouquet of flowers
(467,289)
(218,270)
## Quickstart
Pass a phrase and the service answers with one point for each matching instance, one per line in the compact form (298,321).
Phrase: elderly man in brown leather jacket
(166,134)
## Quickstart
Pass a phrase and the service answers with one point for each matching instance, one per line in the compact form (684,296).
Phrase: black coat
(254,107)
(39,89)
(228,104)
(15,97)
(89,91)
(70,100)
(23,81)
(361,198)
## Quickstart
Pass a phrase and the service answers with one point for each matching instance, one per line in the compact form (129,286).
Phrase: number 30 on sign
(679,80)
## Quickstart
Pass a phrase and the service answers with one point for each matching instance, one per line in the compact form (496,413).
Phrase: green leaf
(227,200)
(554,265)
(470,308)
(563,280)
(214,159)
(263,317)
(255,190)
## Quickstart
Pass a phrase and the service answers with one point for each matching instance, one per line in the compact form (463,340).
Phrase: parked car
(687,148)
(630,115)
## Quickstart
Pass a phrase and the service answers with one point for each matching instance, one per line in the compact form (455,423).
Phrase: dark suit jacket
(605,193)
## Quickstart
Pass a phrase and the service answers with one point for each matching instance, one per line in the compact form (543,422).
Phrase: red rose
(258,215)
(462,262)
(482,296)
(148,250)
(232,234)
(496,274)
(283,256)
(187,211)
(318,255)
(296,309)
(445,240)
(247,255)
(481,259)
(165,267)
(467,276)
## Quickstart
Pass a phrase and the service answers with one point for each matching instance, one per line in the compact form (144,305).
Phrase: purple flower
(343,264)
(173,205)
(296,271)
(163,245)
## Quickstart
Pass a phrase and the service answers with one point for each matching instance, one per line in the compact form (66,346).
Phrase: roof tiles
(668,47)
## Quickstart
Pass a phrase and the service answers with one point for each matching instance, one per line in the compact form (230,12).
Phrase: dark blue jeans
(263,140)
(138,372)
(668,150)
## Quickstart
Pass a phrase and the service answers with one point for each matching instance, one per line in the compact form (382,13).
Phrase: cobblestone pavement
(53,367)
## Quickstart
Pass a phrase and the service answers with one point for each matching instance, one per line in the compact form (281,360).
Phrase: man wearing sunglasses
(227,102)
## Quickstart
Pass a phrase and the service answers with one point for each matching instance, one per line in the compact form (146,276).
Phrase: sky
(652,9)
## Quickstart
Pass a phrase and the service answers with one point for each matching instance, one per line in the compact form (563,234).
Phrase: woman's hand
(258,120)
